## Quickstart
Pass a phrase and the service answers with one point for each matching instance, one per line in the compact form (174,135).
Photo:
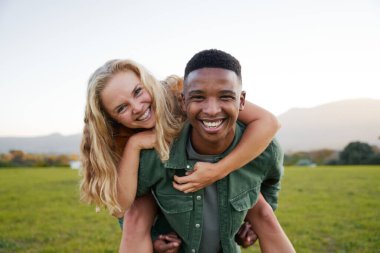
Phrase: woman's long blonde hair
(102,141)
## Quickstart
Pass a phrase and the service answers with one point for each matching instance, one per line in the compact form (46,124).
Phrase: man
(208,219)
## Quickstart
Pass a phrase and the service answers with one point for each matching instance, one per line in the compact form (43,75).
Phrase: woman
(128,110)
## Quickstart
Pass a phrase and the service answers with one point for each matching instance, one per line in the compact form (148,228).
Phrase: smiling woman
(120,103)
(118,99)
(127,101)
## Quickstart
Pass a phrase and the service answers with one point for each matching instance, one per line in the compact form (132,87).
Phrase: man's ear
(242,101)
(182,102)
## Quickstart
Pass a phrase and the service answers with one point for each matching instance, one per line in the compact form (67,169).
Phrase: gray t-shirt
(210,242)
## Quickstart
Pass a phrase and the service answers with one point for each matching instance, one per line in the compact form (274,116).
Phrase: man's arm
(271,185)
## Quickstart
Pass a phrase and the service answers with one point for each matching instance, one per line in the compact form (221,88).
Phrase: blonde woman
(128,110)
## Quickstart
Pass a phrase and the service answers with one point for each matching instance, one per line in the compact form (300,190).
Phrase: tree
(356,153)
(18,157)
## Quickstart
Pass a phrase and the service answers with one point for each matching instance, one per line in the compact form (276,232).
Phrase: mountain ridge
(332,125)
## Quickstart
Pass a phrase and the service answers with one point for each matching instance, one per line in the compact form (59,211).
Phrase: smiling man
(207,220)
(212,99)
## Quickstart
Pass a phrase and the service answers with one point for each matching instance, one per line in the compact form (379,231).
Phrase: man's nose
(211,107)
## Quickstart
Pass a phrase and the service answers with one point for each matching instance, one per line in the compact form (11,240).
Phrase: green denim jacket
(237,192)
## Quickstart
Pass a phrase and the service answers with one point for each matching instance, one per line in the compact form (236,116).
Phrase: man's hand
(168,243)
(204,174)
(245,237)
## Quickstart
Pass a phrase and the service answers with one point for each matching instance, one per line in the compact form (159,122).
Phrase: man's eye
(196,98)
(227,98)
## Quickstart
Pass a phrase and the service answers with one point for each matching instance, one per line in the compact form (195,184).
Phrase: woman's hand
(204,174)
(143,140)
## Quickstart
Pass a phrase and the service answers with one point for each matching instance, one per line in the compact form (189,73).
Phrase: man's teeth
(145,115)
(213,123)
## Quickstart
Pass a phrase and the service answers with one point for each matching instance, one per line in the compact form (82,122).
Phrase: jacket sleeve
(271,185)
(149,171)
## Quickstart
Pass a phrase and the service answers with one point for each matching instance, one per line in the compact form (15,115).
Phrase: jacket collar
(178,154)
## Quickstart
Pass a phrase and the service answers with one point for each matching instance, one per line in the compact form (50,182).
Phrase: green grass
(331,209)
(322,209)
(40,212)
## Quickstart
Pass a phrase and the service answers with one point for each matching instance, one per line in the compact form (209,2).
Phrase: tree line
(355,153)
(18,158)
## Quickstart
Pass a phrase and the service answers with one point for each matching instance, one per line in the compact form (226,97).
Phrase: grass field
(322,209)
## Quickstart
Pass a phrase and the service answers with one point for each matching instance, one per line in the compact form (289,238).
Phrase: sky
(294,54)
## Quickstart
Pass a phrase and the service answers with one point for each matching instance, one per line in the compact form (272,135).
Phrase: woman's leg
(137,224)
(272,237)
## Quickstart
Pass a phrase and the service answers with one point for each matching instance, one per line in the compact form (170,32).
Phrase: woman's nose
(137,107)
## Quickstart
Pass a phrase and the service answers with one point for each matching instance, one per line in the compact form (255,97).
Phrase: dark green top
(210,241)
(237,192)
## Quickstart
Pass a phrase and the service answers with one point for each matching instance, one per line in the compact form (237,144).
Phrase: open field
(322,209)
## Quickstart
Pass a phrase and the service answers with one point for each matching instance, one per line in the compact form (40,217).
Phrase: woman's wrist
(223,169)
(133,144)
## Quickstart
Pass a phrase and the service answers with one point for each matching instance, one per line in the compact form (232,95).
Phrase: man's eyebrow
(196,92)
(227,92)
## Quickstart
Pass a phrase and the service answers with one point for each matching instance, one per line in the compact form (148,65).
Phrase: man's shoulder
(273,154)
(149,158)
(273,150)
(150,171)
(149,153)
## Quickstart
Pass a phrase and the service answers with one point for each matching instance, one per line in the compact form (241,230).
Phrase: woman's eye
(138,91)
(121,109)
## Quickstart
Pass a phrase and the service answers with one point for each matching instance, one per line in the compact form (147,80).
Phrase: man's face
(212,100)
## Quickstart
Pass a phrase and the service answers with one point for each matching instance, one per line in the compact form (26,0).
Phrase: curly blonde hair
(104,139)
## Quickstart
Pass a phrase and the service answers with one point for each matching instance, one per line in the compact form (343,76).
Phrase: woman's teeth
(212,124)
(145,115)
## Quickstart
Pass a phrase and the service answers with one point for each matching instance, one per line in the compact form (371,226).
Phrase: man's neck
(204,147)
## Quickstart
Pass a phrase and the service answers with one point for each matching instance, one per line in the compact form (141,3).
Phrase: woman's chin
(147,125)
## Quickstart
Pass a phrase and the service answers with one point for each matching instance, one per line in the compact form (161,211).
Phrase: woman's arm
(128,167)
(261,128)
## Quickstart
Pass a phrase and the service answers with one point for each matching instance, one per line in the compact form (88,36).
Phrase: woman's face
(127,101)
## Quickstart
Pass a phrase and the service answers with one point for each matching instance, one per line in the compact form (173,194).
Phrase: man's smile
(212,126)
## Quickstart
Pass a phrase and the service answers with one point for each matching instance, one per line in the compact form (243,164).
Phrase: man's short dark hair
(213,58)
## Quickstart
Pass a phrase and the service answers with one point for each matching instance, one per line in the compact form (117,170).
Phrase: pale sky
(293,53)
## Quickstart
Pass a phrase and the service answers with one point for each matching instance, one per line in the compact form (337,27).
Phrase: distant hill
(331,125)
(49,144)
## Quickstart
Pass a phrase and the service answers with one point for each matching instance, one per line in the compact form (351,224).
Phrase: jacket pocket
(177,210)
(240,206)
